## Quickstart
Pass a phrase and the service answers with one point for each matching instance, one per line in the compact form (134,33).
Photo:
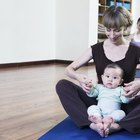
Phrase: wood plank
(29,105)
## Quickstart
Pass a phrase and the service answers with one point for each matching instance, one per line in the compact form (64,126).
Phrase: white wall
(33,30)
(27,30)
(74,27)
(72,21)
(93,22)
(135,13)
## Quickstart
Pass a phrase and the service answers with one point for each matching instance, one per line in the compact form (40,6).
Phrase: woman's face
(114,35)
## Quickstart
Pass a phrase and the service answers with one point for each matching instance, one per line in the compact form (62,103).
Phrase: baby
(109,96)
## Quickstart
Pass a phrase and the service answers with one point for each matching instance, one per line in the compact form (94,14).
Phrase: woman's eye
(117,30)
(108,30)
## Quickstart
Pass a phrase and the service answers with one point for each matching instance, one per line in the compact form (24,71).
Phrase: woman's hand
(132,88)
(85,82)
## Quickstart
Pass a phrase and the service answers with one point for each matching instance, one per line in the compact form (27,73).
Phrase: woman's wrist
(77,76)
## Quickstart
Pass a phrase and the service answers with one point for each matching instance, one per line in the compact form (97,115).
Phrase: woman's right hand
(132,89)
(85,82)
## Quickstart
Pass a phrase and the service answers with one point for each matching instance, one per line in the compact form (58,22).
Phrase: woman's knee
(61,85)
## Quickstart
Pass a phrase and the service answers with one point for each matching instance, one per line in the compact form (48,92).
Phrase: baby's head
(112,76)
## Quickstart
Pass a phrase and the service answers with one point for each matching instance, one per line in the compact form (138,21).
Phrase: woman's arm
(85,82)
(83,59)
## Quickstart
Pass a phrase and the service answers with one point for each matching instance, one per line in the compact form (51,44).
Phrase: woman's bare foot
(99,128)
(95,119)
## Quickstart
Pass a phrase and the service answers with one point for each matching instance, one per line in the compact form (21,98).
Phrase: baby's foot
(107,121)
(99,128)
(95,119)
(114,127)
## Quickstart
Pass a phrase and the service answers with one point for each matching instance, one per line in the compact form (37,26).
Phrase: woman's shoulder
(134,49)
(134,46)
(97,45)
(97,49)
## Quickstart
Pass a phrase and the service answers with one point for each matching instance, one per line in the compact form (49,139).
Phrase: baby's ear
(121,81)
(102,76)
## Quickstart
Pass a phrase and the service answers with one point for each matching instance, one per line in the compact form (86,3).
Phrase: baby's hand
(89,84)
(85,82)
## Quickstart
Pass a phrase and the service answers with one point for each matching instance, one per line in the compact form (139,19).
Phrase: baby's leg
(117,115)
(109,121)
(95,119)
(94,114)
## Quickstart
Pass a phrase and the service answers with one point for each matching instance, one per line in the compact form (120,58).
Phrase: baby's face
(112,77)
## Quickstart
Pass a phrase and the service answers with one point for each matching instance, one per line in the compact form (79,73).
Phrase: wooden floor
(29,105)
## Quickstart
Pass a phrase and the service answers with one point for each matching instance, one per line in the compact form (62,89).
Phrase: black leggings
(75,102)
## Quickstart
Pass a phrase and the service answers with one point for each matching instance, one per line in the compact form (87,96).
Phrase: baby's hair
(115,66)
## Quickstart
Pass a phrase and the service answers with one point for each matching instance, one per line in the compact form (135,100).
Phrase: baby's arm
(93,92)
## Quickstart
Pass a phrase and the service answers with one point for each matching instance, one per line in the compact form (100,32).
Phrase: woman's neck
(121,41)
(115,52)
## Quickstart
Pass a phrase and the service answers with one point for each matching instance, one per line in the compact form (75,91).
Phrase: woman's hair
(116,17)
(138,20)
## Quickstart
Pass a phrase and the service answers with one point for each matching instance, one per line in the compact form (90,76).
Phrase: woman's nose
(111,34)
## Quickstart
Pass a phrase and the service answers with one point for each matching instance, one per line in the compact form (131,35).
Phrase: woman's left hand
(132,88)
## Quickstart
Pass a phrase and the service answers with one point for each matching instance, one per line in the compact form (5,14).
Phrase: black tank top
(128,64)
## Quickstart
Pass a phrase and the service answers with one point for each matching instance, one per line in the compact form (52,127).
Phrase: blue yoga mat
(67,130)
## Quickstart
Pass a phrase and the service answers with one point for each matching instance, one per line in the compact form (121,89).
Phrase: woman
(115,49)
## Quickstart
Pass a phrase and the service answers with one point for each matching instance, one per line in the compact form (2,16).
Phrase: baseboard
(34,63)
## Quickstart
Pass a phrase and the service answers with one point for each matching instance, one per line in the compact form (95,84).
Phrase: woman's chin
(114,41)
